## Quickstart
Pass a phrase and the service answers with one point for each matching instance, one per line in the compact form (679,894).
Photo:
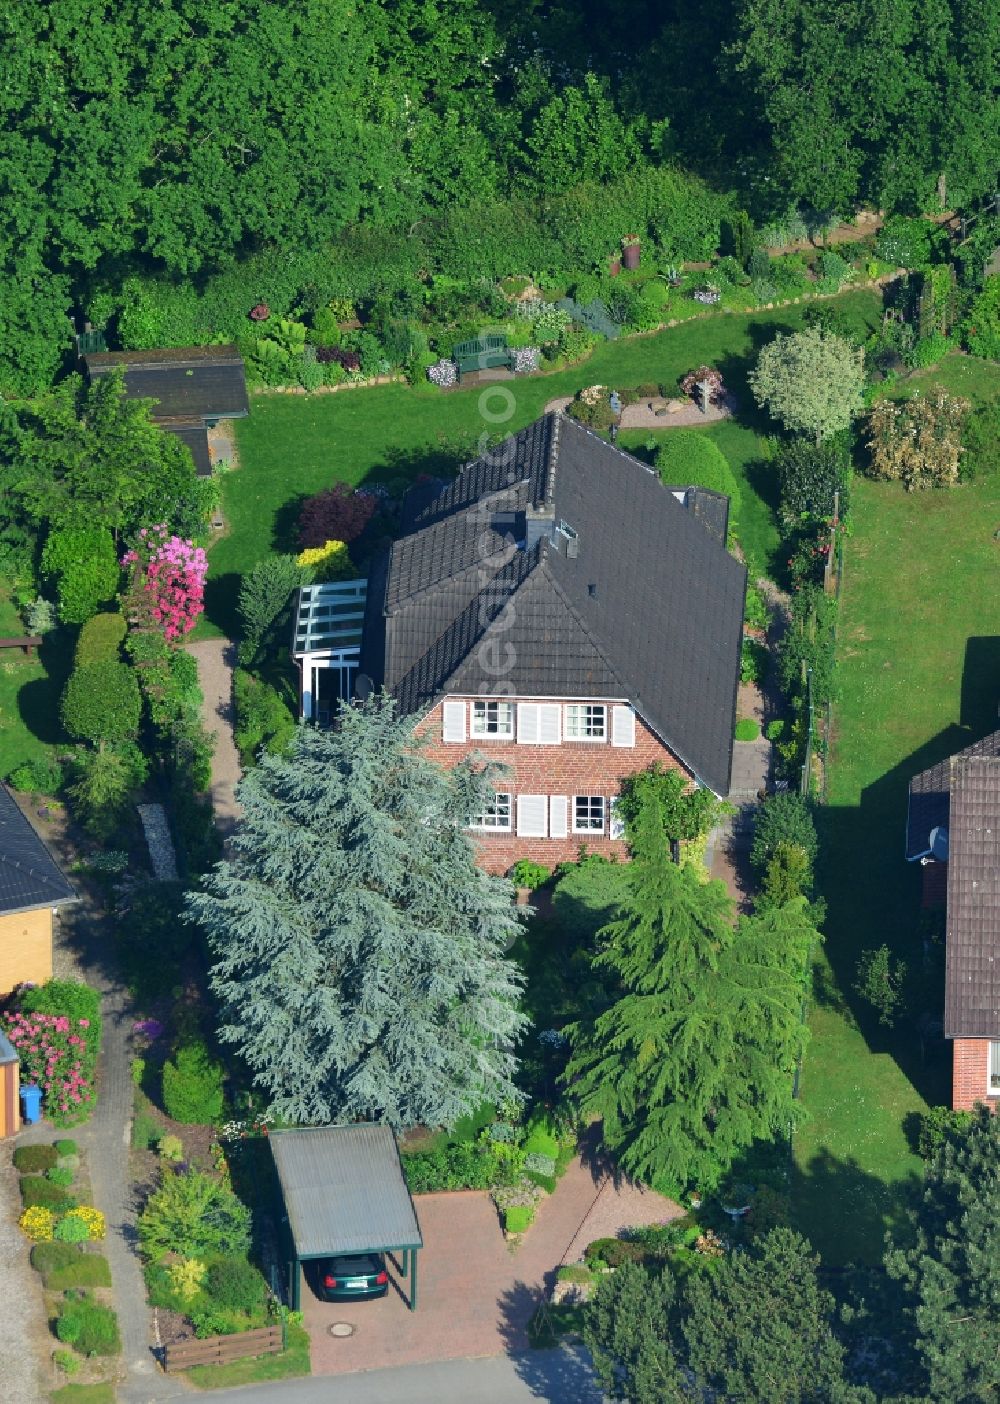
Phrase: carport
(344,1192)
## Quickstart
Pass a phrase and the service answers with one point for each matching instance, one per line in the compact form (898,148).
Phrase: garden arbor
(344,1192)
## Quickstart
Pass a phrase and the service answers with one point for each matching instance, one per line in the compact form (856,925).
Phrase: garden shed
(344,1192)
(193,386)
(10,1118)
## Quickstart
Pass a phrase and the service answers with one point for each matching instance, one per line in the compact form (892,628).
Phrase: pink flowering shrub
(170,573)
(59,1053)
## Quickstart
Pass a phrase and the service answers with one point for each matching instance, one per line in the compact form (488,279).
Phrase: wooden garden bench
(482,353)
(29,642)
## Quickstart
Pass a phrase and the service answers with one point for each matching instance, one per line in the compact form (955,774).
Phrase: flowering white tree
(811,381)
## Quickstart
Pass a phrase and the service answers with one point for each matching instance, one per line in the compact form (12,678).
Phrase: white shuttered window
(453,721)
(531,815)
(558,816)
(538,723)
(622,726)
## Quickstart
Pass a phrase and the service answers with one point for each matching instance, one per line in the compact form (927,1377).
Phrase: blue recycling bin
(31,1096)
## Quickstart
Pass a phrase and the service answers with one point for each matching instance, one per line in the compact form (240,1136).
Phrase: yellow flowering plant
(38,1223)
(186,1277)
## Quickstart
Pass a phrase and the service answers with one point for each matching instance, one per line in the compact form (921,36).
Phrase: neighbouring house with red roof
(559,610)
(953,829)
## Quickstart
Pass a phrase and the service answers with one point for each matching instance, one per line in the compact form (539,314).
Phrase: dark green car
(351,1277)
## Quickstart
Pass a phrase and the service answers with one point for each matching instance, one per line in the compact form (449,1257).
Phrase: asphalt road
(562,1376)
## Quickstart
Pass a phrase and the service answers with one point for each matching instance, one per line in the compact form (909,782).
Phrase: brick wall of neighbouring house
(969,1071)
(25,948)
(571,768)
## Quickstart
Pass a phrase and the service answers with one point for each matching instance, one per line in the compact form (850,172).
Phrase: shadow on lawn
(839,1202)
(873,894)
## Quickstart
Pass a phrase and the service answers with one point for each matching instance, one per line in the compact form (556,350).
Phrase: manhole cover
(341,1329)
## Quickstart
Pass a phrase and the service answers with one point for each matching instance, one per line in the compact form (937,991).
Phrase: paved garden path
(216,659)
(82,941)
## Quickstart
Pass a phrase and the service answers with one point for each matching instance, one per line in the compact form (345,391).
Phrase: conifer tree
(694,1058)
(948,1260)
(359,951)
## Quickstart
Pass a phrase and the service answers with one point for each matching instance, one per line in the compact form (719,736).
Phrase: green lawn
(293,445)
(977,380)
(29,693)
(918,666)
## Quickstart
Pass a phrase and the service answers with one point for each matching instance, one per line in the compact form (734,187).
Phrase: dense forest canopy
(178,137)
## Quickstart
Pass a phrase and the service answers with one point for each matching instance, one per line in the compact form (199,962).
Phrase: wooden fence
(217,1350)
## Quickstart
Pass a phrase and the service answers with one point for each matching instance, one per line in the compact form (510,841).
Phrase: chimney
(538,525)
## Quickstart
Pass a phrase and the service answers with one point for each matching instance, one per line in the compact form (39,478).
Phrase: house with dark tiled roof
(557,609)
(953,830)
(32,888)
(193,387)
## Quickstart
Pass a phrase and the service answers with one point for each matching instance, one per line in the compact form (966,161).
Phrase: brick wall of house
(25,948)
(570,768)
(969,1072)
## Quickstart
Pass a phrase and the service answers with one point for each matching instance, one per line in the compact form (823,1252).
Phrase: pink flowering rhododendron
(171,573)
(62,1064)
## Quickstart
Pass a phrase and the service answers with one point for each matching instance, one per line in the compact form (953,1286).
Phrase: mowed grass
(30,688)
(294,445)
(918,678)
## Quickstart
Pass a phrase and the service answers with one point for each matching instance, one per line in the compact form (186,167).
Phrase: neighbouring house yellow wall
(25,948)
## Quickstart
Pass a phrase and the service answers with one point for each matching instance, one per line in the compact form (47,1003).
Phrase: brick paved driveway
(475,1295)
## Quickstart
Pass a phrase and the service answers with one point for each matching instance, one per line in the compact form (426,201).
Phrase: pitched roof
(190,383)
(972,960)
(29,875)
(344,1190)
(568,560)
(929,795)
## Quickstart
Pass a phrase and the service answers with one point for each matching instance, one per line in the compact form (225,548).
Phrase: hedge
(687,458)
(88,1270)
(49,1257)
(36,1190)
(100,640)
(35,1159)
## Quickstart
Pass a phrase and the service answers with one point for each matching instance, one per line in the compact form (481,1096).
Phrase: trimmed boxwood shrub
(100,640)
(519,1217)
(50,1257)
(686,458)
(235,1284)
(36,1190)
(101,702)
(87,1270)
(747,729)
(87,1326)
(35,1159)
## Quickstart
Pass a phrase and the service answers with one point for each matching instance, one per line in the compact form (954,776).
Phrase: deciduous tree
(811,381)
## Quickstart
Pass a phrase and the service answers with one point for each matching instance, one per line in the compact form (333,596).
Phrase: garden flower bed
(66,1233)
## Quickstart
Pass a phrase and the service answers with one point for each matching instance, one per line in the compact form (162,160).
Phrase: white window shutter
(531,813)
(617,829)
(453,721)
(550,723)
(622,726)
(528,723)
(558,816)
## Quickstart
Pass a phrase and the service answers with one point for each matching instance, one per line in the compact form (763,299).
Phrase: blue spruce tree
(359,951)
